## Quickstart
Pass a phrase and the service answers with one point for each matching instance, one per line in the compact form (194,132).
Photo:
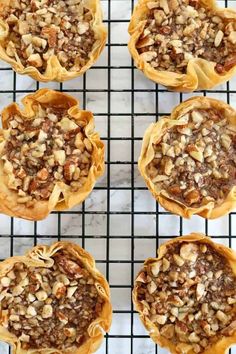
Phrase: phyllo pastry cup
(51,40)
(50,156)
(53,300)
(184,44)
(188,159)
(186,298)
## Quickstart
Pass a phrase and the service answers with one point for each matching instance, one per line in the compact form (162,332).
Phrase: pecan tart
(184,44)
(53,300)
(50,39)
(186,297)
(50,157)
(188,159)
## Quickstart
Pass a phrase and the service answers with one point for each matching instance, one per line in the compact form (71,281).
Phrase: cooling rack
(120,223)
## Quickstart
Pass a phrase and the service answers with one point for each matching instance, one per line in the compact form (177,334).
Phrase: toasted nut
(221,316)
(142,277)
(24,338)
(200,291)
(156,267)
(232,37)
(161,319)
(71,290)
(176,301)
(151,287)
(174,311)
(69,332)
(35,60)
(31,297)
(148,56)
(197,117)
(47,311)
(63,279)
(194,338)
(178,260)
(14,318)
(218,38)
(168,331)
(17,290)
(60,156)
(64,319)
(41,295)
(43,174)
(197,155)
(165,264)
(31,311)
(58,290)
(5,281)
(189,251)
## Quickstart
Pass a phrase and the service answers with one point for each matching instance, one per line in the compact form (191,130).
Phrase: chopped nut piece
(200,291)
(156,268)
(161,319)
(47,311)
(151,287)
(178,260)
(189,252)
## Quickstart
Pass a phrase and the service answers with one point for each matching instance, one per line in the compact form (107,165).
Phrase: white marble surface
(120,200)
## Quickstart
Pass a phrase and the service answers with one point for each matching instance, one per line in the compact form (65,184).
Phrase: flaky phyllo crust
(154,134)
(62,197)
(223,343)
(200,75)
(41,256)
(54,70)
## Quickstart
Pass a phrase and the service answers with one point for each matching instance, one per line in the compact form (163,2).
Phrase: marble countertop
(131,213)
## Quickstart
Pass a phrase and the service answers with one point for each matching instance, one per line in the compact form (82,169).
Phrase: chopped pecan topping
(49,148)
(195,162)
(46,308)
(41,29)
(180,30)
(193,301)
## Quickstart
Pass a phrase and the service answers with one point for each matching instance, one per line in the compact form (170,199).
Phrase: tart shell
(154,134)
(54,70)
(221,346)
(40,256)
(61,198)
(201,74)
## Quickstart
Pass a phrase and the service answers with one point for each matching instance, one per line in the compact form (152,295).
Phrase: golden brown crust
(223,343)
(40,256)
(8,198)
(54,71)
(154,133)
(201,74)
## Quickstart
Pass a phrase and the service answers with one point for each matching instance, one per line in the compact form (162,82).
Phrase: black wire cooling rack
(119,223)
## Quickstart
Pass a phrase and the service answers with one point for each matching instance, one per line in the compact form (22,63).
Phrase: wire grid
(120,223)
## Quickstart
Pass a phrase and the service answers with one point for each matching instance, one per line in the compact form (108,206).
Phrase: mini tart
(184,44)
(53,300)
(49,39)
(188,159)
(186,297)
(50,156)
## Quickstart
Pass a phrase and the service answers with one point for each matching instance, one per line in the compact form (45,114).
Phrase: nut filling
(40,29)
(49,307)
(45,150)
(190,295)
(180,30)
(195,162)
